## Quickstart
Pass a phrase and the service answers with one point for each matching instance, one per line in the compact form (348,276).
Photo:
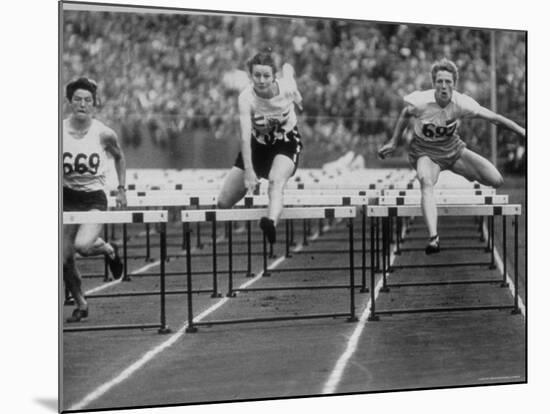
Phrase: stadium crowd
(160,75)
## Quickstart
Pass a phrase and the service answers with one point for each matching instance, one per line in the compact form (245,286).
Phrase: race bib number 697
(432,131)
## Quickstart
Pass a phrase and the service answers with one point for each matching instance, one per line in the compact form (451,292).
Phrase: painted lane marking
(149,355)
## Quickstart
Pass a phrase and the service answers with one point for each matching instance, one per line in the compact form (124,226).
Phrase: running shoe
(268,227)
(115,264)
(433,245)
(78,315)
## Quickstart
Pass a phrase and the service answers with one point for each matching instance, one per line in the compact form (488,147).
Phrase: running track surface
(116,369)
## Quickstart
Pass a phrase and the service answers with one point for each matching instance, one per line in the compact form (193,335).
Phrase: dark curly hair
(81,83)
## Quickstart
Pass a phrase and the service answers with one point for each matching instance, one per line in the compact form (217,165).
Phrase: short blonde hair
(446,65)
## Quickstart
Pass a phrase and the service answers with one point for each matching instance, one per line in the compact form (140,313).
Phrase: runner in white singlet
(87,143)
(436,145)
(270,141)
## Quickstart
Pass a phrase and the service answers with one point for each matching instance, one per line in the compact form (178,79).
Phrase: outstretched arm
(402,122)
(110,143)
(497,119)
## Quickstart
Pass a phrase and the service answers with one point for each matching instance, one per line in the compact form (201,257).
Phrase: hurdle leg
(352,316)
(264,240)
(492,265)
(397,235)
(191,328)
(182,236)
(199,243)
(215,293)
(271,253)
(481,238)
(488,247)
(321,231)
(126,277)
(287,239)
(305,242)
(249,250)
(106,276)
(384,254)
(148,242)
(364,250)
(164,329)
(516,309)
(292,242)
(372,314)
(377,244)
(229,229)
(504,254)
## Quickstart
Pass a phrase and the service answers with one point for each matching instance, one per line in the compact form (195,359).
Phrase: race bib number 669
(80,163)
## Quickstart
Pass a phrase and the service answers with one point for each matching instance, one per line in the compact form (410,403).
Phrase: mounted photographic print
(259,207)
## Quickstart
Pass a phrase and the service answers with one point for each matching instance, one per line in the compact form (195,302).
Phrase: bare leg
(233,188)
(473,166)
(88,243)
(428,174)
(280,172)
(71,276)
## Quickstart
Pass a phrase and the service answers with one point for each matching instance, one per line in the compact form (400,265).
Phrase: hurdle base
(150,259)
(127,279)
(385,289)
(515,311)
(249,274)
(165,330)
(191,329)
(352,319)
(231,295)
(373,318)
(364,290)
(216,295)
(504,284)
(266,274)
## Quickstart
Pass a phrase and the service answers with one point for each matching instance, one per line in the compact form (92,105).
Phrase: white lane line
(135,272)
(500,267)
(337,372)
(149,355)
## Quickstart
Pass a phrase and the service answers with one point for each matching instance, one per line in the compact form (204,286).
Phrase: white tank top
(84,158)
(434,123)
(273,118)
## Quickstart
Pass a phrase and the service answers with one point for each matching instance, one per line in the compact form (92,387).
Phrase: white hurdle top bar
(248,201)
(452,210)
(451,199)
(244,214)
(116,217)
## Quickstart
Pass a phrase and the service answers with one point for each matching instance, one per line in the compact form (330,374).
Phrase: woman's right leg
(428,174)
(233,188)
(71,276)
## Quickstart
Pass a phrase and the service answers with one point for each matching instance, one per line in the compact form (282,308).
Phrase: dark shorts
(263,155)
(444,154)
(74,200)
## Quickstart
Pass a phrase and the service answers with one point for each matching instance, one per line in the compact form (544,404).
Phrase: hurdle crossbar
(445,199)
(214,216)
(451,210)
(387,213)
(124,218)
(116,217)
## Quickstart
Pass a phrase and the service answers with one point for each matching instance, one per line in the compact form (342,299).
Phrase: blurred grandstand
(168,80)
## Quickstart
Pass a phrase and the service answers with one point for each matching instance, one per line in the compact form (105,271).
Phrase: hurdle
(215,216)
(385,213)
(126,217)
